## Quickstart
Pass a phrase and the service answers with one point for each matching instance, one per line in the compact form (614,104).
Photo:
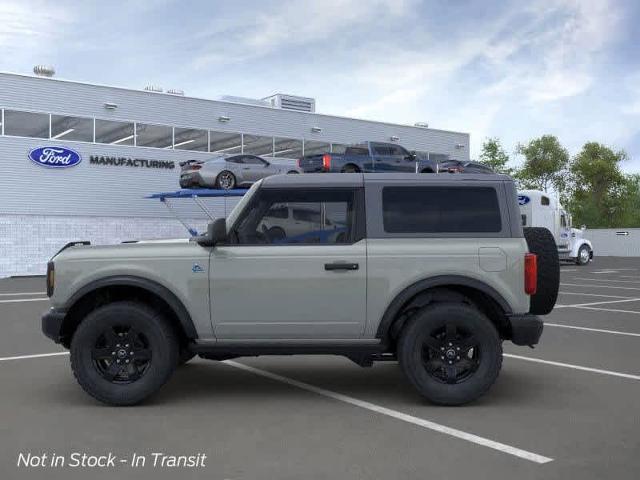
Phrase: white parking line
(598,286)
(605,280)
(592,294)
(25,300)
(21,293)
(587,329)
(38,355)
(598,303)
(524,454)
(600,309)
(575,367)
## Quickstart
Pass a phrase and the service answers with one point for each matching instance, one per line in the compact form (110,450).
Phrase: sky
(508,69)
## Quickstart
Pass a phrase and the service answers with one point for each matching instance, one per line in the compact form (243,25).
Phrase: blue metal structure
(195,194)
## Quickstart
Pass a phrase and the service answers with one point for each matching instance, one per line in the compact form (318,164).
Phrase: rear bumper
(52,322)
(526,329)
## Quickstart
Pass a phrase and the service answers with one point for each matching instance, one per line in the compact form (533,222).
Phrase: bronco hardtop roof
(358,179)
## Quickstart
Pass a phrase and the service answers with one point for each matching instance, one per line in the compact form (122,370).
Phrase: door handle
(341,266)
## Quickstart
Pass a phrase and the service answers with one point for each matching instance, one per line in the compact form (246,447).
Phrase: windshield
(233,216)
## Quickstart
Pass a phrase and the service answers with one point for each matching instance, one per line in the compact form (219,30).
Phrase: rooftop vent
(44,70)
(292,102)
(175,91)
(153,88)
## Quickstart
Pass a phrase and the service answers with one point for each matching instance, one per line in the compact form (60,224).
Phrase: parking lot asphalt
(570,408)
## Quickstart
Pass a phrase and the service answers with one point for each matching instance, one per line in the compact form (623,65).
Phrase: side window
(397,150)
(251,160)
(524,220)
(441,210)
(381,150)
(563,221)
(324,216)
(236,159)
(544,200)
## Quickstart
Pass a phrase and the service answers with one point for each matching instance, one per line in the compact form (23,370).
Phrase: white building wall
(615,242)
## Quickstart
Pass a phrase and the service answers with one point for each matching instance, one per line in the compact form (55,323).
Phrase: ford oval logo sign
(523,200)
(55,157)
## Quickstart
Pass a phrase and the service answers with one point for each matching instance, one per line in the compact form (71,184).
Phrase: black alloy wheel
(121,354)
(450,354)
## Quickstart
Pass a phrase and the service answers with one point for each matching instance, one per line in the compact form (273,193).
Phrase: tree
(545,164)
(603,196)
(494,156)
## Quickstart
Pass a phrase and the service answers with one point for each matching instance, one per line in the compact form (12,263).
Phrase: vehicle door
(401,160)
(275,281)
(256,168)
(383,161)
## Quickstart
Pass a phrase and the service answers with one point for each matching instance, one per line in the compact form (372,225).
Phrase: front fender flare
(143,283)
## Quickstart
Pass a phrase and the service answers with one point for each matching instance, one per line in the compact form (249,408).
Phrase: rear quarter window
(440,209)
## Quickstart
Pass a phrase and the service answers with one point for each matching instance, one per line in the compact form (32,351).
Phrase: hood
(134,249)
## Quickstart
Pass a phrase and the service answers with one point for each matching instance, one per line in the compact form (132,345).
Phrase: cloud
(28,26)
(292,23)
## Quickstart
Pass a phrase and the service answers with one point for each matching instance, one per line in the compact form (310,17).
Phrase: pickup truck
(368,157)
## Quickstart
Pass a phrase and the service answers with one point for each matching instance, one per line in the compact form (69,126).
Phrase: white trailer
(539,209)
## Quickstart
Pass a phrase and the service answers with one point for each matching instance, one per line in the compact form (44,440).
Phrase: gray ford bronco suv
(432,271)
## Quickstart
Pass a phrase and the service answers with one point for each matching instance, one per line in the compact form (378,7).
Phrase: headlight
(51,278)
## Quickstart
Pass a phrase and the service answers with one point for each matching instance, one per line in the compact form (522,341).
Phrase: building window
(190,139)
(26,124)
(225,142)
(157,136)
(114,133)
(257,145)
(441,210)
(71,128)
(287,148)
(312,147)
(338,148)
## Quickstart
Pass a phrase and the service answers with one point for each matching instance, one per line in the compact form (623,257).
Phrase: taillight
(196,167)
(530,273)
(326,162)
(298,162)
(51,280)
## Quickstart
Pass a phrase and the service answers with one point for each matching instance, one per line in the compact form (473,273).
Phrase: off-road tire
(184,355)
(540,241)
(579,258)
(466,319)
(162,346)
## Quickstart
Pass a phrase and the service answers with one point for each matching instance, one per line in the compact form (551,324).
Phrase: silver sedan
(227,172)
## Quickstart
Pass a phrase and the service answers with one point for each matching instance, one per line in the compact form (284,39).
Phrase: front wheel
(584,255)
(123,352)
(451,353)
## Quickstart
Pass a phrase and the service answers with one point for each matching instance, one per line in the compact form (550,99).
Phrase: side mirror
(583,228)
(412,156)
(216,233)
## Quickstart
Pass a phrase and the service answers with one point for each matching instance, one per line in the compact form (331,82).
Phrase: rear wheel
(584,255)
(123,352)
(350,169)
(451,353)
(226,180)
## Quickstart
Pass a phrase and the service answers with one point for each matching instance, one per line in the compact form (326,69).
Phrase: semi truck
(539,209)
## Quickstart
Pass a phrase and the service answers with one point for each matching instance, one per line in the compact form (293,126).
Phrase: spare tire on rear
(541,242)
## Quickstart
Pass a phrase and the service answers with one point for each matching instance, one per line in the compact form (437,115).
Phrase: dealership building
(109,147)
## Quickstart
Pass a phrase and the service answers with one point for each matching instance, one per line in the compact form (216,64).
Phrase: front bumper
(526,329)
(52,322)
